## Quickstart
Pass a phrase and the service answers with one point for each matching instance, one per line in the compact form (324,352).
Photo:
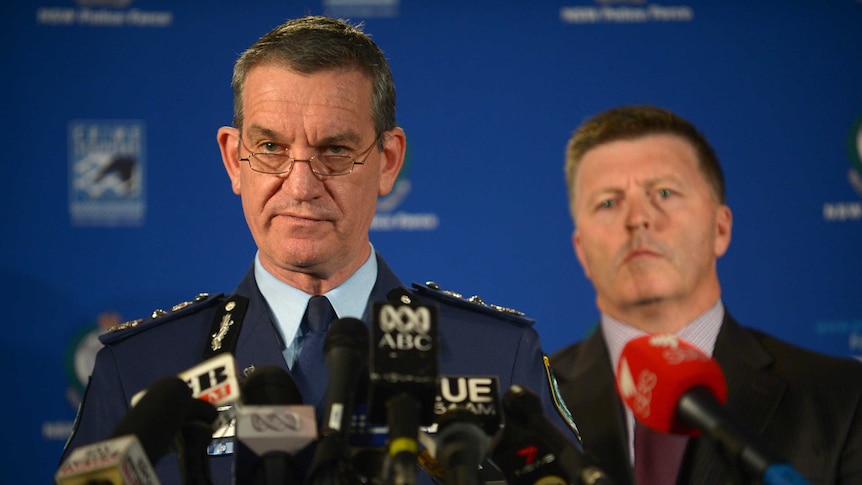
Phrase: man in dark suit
(648,200)
(314,142)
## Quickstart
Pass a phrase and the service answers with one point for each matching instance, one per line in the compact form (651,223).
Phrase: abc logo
(405,328)
(405,319)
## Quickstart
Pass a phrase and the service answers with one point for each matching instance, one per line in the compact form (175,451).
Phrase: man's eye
(336,150)
(607,204)
(665,193)
(270,147)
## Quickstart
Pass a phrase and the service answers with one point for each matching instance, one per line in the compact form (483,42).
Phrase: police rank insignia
(226,325)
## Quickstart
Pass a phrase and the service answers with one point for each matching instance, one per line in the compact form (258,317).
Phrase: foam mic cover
(672,386)
(192,442)
(655,372)
(271,428)
(346,356)
(270,385)
(158,416)
(529,449)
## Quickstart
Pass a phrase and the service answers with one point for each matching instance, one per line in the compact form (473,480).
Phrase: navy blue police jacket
(474,339)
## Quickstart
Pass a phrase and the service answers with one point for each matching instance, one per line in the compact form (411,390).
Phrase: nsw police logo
(106,166)
(390,218)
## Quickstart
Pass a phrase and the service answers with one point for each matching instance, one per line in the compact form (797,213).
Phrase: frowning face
(648,228)
(305,224)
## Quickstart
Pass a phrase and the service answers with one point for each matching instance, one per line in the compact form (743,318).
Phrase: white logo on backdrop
(106,166)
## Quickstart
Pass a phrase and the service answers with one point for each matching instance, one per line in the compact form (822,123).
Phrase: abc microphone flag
(403,370)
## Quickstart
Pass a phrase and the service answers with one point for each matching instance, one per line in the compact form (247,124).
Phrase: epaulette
(158,317)
(474,303)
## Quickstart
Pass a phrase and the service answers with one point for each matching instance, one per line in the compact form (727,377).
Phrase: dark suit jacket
(474,340)
(806,405)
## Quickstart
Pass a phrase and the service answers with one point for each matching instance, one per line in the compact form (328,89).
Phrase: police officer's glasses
(278,162)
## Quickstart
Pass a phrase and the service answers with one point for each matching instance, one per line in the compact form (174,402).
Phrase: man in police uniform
(314,143)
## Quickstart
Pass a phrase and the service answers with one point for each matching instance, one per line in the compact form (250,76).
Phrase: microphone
(271,427)
(139,440)
(346,356)
(117,461)
(673,387)
(270,385)
(467,415)
(158,416)
(403,372)
(213,380)
(192,443)
(531,450)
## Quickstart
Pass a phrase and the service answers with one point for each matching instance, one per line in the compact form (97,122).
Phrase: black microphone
(192,443)
(468,414)
(158,416)
(270,385)
(530,449)
(271,428)
(144,435)
(403,372)
(346,356)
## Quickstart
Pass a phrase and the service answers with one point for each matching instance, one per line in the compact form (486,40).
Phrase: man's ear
(228,142)
(391,159)
(723,230)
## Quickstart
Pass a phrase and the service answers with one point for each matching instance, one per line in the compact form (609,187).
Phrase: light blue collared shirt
(287,304)
(702,332)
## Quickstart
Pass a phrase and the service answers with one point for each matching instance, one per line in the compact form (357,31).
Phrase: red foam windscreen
(653,373)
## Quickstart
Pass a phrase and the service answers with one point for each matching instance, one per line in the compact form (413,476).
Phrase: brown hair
(632,122)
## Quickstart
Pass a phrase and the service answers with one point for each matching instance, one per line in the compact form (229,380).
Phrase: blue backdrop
(116,200)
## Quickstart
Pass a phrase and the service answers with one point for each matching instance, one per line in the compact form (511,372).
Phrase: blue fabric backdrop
(115,199)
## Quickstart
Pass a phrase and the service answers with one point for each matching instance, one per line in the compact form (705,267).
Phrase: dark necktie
(310,363)
(658,456)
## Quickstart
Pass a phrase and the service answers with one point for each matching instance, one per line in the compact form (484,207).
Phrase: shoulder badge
(225,327)
(124,329)
(558,398)
(475,302)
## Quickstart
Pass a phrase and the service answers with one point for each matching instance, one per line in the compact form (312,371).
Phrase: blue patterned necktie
(658,456)
(310,365)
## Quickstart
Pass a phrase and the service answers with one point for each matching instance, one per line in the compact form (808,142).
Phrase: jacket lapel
(589,392)
(753,395)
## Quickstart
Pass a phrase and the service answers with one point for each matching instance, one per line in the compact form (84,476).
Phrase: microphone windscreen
(158,416)
(202,411)
(270,385)
(350,333)
(522,405)
(655,371)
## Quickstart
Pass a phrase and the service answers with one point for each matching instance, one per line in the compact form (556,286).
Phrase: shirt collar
(700,332)
(287,304)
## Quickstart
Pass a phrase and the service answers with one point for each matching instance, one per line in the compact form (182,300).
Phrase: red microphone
(655,372)
(673,387)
